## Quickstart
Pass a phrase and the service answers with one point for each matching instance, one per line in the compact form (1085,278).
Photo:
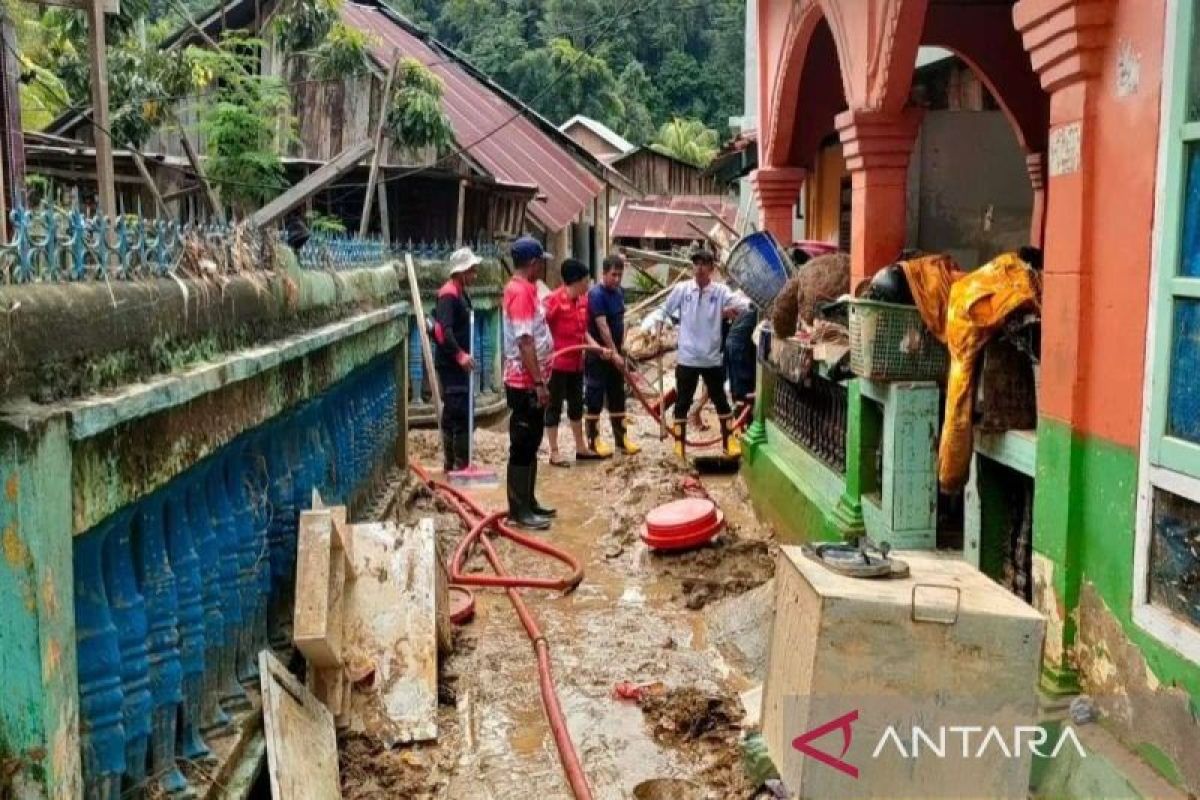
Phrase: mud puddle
(634,620)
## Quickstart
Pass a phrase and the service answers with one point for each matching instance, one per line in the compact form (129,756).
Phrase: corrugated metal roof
(600,129)
(660,217)
(519,152)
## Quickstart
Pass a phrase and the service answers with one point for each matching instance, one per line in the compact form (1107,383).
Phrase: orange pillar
(777,191)
(877,146)
(1067,45)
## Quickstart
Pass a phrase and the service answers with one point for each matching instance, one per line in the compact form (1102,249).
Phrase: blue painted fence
(176,594)
(51,245)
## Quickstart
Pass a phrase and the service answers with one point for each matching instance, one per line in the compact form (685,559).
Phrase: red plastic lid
(681,524)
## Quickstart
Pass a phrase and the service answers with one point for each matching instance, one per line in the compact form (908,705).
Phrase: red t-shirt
(567,318)
(524,316)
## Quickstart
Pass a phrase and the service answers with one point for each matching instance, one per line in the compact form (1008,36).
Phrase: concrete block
(941,648)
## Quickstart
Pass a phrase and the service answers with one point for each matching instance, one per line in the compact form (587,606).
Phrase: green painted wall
(39,750)
(1085,507)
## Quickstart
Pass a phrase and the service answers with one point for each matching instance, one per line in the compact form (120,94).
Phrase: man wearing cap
(701,305)
(452,358)
(528,346)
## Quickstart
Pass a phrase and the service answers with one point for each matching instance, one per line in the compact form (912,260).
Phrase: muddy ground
(636,619)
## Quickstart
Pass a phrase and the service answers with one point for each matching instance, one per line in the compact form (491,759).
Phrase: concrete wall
(969,191)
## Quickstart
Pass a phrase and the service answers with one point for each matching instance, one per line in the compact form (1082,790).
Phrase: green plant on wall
(344,52)
(301,25)
(241,123)
(415,118)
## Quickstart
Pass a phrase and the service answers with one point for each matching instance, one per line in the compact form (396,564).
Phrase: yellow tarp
(964,310)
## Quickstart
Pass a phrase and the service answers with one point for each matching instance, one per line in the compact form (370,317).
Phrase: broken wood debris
(302,754)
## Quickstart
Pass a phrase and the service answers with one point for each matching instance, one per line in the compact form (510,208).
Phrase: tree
(560,81)
(639,94)
(687,140)
(415,118)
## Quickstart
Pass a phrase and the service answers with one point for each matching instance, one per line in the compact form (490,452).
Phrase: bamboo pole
(374,176)
(426,348)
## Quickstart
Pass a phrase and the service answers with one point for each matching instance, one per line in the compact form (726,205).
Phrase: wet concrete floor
(629,621)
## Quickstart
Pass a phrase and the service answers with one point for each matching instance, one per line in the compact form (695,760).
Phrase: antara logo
(944,741)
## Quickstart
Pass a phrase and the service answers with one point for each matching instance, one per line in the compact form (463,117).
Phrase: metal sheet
(515,151)
(661,217)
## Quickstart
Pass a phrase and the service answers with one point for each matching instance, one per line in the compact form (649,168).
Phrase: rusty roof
(662,217)
(500,135)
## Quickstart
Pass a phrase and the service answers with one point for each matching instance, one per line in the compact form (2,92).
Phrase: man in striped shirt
(528,346)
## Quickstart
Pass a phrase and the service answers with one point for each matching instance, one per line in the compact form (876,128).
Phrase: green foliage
(670,58)
(687,140)
(242,123)
(324,223)
(302,25)
(345,51)
(415,118)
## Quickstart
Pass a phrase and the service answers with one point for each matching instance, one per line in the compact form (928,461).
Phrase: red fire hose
(479,522)
(656,413)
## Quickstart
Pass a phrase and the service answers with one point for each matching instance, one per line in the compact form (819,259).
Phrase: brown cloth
(964,311)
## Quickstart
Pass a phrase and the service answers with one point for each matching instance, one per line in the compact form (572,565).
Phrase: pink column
(777,190)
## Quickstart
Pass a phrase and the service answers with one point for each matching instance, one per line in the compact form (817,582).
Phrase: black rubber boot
(448,463)
(520,512)
(534,505)
(462,450)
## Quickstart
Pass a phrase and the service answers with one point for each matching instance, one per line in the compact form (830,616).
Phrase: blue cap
(527,249)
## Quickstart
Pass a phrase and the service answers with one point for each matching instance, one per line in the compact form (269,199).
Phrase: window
(1167,563)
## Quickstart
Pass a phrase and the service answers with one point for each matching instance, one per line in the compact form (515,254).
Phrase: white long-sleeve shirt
(699,311)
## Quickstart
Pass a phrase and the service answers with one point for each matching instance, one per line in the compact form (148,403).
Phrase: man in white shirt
(700,304)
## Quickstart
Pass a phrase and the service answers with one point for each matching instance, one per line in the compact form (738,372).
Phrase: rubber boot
(679,431)
(534,505)
(448,451)
(621,435)
(462,450)
(729,442)
(592,434)
(519,511)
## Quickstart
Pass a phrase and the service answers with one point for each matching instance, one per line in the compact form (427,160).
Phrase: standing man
(528,346)
(604,382)
(701,305)
(567,315)
(452,360)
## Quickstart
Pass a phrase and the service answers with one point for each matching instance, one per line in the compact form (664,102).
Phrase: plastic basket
(759,267)
(889,342)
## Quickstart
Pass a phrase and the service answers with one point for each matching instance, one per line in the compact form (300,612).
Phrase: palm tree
(687,140)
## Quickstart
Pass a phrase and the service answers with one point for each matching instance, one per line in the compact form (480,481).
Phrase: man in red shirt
(567,316)
(528,346)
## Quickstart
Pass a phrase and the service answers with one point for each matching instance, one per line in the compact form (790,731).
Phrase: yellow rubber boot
(729,440)
(679,431)
(592,434)
(621,436)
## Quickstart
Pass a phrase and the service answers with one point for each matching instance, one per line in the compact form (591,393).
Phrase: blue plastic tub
(760,268)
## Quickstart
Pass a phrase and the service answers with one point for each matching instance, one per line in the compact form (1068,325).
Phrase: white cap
(462,260)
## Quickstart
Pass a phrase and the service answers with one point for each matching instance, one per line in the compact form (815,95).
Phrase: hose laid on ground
(656,413)
(479,522)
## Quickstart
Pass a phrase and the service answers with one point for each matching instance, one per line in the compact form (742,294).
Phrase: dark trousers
(526,423)
(455,410)
(686,380)
(604,387)
(740,355)
(565,388)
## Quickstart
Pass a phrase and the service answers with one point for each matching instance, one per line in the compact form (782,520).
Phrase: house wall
(655,174)
(592,142)
(1099,67)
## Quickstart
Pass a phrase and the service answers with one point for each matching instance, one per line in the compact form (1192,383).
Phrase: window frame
(1167,463)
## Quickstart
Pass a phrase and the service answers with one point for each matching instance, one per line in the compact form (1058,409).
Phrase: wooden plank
(385,222)
(320,590)
(426,349)
(334,169)
(365,222)
(462,213)
(394,612)
(302,755)
(210,194)
(108,6)
(100,122)
(159,200)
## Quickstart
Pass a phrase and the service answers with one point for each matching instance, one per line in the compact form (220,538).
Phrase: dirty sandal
(588,455)
(560,461)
